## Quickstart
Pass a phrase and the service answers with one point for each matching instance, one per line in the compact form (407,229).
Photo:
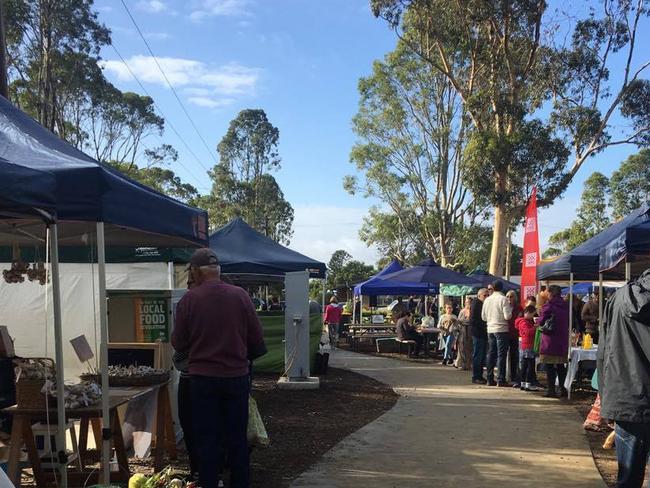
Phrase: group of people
(501,328)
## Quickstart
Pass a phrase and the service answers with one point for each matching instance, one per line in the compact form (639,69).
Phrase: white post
(324,287)
(354,307)
(103,354)
(58,350)
(171,275)
(628,270)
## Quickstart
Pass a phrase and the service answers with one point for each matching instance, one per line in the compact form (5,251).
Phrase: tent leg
(103,355)
(170,275)
(628,270)
(58,344)
(323,298)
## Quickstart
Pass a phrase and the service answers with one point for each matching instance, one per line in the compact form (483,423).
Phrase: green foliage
(156,176)
(241,185)
(591,217)
(630,184)
(343,271)
(412,134)
(506,71)
(250,147)
(316,290)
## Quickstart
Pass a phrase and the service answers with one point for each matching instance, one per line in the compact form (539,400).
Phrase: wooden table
(370,331)
(22,433)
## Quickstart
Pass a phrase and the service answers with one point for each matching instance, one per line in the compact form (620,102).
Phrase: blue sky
(300,61)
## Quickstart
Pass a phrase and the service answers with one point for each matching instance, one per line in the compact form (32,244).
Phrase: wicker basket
(29,391)
(116,381)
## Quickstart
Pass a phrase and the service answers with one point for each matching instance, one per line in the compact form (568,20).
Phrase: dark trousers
(554,371)
(632,452)
(479,351)
(528,370)
(185,419)
(419,340)
(220,419)
(497,355)
(513,359)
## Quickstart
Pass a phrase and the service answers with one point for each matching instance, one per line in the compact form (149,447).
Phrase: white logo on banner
(531,259)
(531,224)
(529,291)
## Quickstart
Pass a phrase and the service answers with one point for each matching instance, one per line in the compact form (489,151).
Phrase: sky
(300,61)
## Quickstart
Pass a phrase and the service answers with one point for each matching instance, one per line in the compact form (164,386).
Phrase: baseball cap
(203,257)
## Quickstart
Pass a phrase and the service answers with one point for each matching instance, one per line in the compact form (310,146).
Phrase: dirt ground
(302,425)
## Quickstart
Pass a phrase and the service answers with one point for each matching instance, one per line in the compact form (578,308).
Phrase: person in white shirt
(497,312)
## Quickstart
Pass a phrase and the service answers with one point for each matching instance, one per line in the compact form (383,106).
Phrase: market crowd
(504,343)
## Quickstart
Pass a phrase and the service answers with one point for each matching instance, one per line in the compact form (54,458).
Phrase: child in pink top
(527,328)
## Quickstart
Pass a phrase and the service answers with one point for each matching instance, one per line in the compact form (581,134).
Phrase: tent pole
(600,299)
(628,270)
(170,274)
(103,356)
(58,345)
(323,298)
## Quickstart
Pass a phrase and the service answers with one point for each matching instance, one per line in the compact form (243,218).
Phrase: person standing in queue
(496,313)
(478,328)
(217,326)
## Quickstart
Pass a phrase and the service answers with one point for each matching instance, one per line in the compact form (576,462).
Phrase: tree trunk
(499,237)
(508,253)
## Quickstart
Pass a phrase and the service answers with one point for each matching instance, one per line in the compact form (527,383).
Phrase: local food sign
(151,320)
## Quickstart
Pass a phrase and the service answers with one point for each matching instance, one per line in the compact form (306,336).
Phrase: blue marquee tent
(432,274)
(243,250)
(603,251)
(42,175)
(377,286)
(483,279)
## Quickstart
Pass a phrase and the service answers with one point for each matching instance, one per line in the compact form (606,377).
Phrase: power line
(171,87)
(167,120)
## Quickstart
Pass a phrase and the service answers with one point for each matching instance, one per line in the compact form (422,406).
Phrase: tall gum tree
(502,59)
(412,135)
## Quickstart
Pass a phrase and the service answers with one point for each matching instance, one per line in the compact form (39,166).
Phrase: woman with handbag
(554,324)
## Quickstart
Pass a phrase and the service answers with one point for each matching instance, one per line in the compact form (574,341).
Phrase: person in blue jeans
(497,312)
(478,329)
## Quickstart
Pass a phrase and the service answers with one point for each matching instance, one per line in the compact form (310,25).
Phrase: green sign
(151,320)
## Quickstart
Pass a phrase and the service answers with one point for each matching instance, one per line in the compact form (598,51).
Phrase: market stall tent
(430,273)
(57,195)
(244,251)
(376,285)
(628,237)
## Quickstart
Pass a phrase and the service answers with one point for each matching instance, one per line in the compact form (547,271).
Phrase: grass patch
(273,361)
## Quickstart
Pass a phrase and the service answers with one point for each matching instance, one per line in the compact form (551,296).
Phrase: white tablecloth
(578,354)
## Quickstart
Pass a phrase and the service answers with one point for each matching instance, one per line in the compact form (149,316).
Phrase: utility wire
(167,120)
(171,87)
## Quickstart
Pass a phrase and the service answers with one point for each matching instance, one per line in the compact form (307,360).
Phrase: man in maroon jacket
(216,324)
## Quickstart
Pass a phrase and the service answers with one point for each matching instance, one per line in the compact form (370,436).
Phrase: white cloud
(197,78)
(319,230)
(152,6)
(157,36)
(219,8)
(211,102)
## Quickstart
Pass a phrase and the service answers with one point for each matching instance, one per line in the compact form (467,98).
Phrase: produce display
(133,370)
(19,268)
(77,395)
(165,479)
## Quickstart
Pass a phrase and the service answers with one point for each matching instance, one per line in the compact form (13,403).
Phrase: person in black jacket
(478,328)
(624,377)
